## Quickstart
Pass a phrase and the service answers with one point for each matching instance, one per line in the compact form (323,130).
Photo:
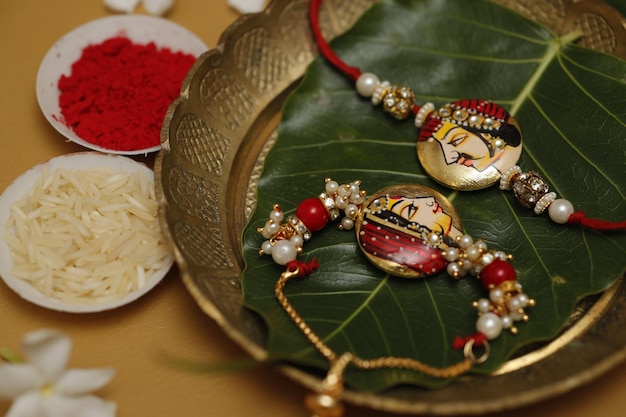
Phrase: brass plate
(214,141)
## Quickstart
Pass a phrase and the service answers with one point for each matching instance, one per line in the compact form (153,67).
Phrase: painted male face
(463,147)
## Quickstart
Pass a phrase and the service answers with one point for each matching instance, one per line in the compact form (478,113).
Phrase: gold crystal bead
(398,101)
(529,187)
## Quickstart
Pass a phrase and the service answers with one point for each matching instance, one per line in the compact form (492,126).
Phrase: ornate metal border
(214,140)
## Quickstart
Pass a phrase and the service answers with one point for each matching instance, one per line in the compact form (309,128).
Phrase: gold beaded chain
(326,403)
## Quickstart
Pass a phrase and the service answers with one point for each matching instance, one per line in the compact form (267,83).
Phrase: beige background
(137,338)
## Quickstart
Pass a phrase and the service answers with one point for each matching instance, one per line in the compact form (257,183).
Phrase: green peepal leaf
(569,103)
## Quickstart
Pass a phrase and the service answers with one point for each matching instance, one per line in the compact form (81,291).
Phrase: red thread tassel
(460,342)
(580,218)
(303,268)
(324,47)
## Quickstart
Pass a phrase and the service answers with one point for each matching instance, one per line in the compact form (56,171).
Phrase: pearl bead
(284,252)
(501,255)
(467,265)
(473,253)
(483,305)
(451,254)
(490,325)
(277,215)
(344,190)
(514,304)
(270,229)
(523,300)
(487,258)
(507,322)
(332,187)
(347,223)
(465,241)
(297,240)
(496,295)
(480,244)
(341,202)
(351,211)
(453,269)
(560,210)
(266,247)
(366,83)
(357,198)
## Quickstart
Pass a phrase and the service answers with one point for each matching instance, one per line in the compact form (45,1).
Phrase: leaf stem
(8,355)
(551,53)
(571,37)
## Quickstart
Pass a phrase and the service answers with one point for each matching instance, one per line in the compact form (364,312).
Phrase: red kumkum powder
(118,92)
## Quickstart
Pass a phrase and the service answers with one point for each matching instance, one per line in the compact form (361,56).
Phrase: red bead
(312,213)
(496,273)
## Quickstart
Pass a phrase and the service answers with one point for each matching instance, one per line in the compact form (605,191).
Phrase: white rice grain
(87,236)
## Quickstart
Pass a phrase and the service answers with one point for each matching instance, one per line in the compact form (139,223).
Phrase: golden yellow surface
(137,339)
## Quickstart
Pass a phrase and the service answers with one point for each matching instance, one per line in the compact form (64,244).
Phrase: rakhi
(412,231)
(409,231)
(465,145)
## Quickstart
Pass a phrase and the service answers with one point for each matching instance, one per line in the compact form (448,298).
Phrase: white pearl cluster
(284,241)
(470,257)
(504,307)
(559,209)
(346,199)
(506,302)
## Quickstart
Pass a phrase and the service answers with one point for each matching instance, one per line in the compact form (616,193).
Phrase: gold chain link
(376,363)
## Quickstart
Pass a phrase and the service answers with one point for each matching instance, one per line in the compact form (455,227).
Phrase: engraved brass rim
(215,138)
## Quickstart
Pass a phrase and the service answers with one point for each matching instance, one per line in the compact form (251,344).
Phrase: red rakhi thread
(580,218)
(324,47)
(576,218)
(478,338)
(303,268)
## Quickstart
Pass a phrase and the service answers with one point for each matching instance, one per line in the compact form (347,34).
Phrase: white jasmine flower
(247,6)
(155,7)
(158,7)
(121,6)
(42,387)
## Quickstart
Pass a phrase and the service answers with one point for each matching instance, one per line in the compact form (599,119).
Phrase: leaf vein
(582,156)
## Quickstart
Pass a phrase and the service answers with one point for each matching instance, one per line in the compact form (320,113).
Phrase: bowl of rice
(81,233)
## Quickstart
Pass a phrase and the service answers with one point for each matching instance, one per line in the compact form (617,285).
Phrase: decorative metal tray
(214,140)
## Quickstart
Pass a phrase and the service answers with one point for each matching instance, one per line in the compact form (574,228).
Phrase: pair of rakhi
(412,231)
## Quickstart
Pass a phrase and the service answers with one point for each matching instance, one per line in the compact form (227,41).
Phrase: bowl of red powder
(107,84)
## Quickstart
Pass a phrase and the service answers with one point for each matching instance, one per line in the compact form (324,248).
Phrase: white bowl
(18,189)
(140,29)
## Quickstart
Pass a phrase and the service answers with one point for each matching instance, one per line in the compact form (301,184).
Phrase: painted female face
(394,230)
(462,147)
(424,211)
